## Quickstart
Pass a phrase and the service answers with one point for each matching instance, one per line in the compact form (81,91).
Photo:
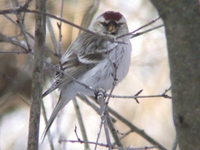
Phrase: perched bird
(93,60)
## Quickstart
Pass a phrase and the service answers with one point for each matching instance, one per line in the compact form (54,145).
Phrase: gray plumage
(93,61)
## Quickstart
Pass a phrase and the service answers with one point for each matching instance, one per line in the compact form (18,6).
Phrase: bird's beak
(112,27)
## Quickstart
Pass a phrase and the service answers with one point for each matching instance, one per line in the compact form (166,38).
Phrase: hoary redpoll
(93,60)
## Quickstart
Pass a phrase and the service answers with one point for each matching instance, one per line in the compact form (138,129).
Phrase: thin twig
(135,129)
(14,41)
(101,123)
(31,36)
(146,31)
(88,142)
(122,119)
(112,130)
(105,145)
(20,22)
(81,123)
(52,34)
(153,21)
(14,22)
(104,113)
(136,96)
(22,9)
(59,48)
(94,143)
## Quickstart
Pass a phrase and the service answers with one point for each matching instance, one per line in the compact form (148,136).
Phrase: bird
(93,60)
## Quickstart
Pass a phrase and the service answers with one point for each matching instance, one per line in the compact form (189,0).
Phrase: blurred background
(148,71)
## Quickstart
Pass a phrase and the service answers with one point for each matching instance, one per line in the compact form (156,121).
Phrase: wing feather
(80,57)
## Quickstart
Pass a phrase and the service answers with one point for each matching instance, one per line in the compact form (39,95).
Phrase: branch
(146,31)
(23,9)
(136,96)
(153,21)
(59,48)
(20,21)
(81,123)
(101,144)
(40,34)
(14,41)
(21,44)
(104,113)
(137,130)
(52,35)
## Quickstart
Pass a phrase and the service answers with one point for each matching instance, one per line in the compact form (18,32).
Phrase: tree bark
(40,33)
(182,27)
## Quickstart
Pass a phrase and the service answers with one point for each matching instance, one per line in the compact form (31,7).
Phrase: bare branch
(136,96)
(52,34)
(81,123)
(146,31)
(104,113)
(20,22)
(40,35)
(112,130)
(14,41)
(59,48)
(22,9)
(153,21)
(135,129)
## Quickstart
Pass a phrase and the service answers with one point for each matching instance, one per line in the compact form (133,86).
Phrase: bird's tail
(65,97)
(55,112)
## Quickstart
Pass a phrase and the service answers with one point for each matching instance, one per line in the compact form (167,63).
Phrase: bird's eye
(104,24)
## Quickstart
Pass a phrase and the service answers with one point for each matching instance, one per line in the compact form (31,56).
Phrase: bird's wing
(79,58)
(73,68)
